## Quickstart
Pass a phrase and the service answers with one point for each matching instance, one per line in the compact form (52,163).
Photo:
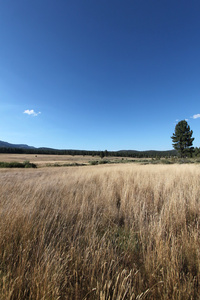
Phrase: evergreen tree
(102,154)
(182,139)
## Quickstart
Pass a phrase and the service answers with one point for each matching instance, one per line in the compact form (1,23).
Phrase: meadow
(43,160)
(123,231)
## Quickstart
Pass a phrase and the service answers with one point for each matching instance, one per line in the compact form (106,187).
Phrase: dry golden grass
(43,159)
(100,232)
(46,159)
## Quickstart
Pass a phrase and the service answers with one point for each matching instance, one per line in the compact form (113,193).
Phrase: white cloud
(31,112)
(196,116)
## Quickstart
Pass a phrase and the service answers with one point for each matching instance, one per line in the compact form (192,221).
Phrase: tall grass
(102,232)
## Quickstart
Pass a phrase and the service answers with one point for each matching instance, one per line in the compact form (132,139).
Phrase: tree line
(102,154)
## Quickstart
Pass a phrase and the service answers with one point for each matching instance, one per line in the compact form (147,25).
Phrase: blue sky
(99,75)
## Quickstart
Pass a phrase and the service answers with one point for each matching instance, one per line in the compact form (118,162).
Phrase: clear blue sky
(99,75)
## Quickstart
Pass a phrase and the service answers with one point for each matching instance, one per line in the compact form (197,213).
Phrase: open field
(102,232)
(47,159)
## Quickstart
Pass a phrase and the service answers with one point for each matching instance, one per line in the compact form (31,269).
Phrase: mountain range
(19,146)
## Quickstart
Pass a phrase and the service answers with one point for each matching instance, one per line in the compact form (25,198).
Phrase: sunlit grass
(101,232)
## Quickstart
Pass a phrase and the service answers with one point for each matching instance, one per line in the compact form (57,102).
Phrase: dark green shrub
(93,162)
(104,162)
(14,164)
(166,162)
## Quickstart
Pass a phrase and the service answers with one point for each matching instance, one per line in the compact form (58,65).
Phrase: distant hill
(17,146)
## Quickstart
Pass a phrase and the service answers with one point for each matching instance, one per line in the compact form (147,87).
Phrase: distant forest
(121,153)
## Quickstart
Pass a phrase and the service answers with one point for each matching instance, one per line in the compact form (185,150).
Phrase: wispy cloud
(31,112)
(193,117)
(196,116)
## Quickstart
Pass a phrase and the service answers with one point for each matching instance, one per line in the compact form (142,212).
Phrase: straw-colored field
(46,159)
(43,159)
(100,232)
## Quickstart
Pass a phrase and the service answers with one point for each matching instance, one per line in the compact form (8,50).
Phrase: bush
(93,162)
(104,162)
(166,162)
(25,164)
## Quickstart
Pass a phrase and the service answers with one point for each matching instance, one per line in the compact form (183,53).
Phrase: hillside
(20,146)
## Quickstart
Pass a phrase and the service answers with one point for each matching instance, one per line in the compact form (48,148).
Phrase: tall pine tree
(182,139)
